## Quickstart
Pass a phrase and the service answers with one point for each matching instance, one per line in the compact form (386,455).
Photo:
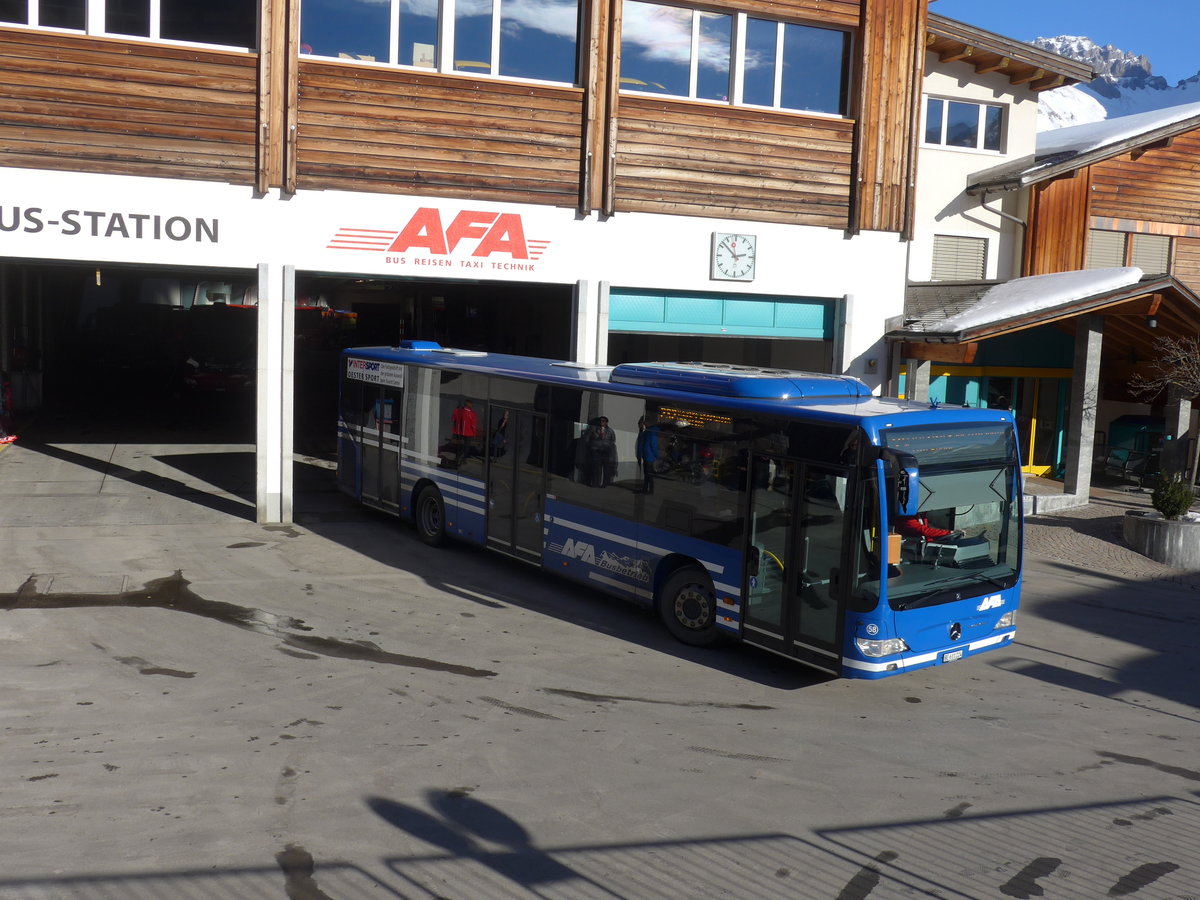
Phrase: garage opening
(98,350)
(336,311)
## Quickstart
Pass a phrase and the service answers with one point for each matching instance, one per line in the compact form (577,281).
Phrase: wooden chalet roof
(1062,151)
(987,51)
(932,307)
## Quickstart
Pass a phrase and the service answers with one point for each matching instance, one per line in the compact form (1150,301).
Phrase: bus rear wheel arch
(429,515)
(687,605)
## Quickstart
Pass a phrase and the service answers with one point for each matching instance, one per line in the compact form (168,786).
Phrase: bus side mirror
(904,477)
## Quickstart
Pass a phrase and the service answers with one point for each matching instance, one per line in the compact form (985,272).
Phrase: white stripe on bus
(924,657)
(629,542)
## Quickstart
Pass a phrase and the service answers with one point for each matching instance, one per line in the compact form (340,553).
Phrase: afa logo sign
(474,239)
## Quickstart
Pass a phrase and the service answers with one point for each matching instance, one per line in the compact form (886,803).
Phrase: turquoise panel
(1044,347)
(696,310)
(741,315)
(750,313)
(808,316)
(637,308)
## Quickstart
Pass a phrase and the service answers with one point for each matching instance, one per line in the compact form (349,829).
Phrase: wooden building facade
(276,117)
(555,180)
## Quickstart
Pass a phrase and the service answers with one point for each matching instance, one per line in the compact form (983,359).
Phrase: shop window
(958,123)
(532,39)
(681,52)
(957,258)
(1112,249)
(225,23)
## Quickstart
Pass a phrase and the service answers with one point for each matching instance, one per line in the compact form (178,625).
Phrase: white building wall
(942,207)
(108,219)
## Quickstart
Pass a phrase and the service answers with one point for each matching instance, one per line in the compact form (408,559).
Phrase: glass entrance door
(516,478)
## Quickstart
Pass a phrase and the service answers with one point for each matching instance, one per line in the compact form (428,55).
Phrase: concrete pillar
(1175,456)
(589,330)
(1085,393)
(891,387)
(275,383)
(843,310)
(916,384)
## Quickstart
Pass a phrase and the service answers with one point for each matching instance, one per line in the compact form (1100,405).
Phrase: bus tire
(687,605)
(429,515)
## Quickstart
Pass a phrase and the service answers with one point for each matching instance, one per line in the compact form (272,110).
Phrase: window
(226,23)
(957,123)
(1105,250)
(534,39)
(958,258)
(691,53)
(1111,249)
(1151,253)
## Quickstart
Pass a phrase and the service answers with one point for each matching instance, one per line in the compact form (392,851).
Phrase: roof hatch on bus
(739,381)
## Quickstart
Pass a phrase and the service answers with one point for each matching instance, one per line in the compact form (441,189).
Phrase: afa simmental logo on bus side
(630,567)
(473,239)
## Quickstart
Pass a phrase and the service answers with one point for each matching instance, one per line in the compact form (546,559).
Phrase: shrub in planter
(1172,496)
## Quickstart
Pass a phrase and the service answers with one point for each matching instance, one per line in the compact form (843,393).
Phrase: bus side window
(351,402)
(368,407)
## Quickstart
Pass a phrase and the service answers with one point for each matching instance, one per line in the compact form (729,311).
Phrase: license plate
(952,656)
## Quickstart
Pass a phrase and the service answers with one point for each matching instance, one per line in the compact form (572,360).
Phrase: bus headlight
(1006,620)
(890,647)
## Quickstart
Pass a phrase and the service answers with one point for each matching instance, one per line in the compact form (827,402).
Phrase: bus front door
(796,528)
(516,482)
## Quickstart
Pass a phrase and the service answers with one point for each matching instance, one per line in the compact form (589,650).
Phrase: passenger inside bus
(918,526)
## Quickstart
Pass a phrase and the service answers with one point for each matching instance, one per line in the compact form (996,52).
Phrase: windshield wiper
(923,600)
(993,579)
(937,596)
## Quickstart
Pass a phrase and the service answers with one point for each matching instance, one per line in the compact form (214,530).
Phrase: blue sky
(1166,31)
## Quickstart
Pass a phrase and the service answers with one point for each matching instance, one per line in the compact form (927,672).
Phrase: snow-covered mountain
(1126,85)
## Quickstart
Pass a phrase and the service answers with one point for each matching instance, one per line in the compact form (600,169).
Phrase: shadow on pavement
(224,463)
(1159,617)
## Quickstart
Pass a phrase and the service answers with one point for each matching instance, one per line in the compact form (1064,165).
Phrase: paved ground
(1094,534)
(197,706)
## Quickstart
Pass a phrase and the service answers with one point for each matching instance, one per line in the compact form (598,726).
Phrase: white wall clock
(733,256)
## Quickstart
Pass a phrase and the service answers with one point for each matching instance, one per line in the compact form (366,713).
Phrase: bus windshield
(964,539)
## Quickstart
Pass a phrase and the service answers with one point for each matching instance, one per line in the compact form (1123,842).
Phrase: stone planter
(1174,543)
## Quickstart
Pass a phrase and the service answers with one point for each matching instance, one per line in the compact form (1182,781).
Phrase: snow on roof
(1037,293)
(1097,135)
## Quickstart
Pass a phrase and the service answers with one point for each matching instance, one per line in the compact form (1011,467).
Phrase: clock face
(733,256)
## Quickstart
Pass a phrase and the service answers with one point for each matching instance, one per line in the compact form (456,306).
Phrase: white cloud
(664,34)
(557,17)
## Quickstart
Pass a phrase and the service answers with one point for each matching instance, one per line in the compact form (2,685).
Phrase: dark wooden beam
(944,353)
(1157,145)
(955,55)
(1032,76)
(1048,83)
(994,67)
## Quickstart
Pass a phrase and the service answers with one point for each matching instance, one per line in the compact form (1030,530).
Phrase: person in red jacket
(918,526)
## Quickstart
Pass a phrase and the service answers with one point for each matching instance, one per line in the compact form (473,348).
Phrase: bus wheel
(687,605)
(430,516)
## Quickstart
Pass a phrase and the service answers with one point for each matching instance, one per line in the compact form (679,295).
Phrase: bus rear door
(797,528)
(381,451)
(516,451)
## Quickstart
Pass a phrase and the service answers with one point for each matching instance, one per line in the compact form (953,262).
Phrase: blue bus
(793,511)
